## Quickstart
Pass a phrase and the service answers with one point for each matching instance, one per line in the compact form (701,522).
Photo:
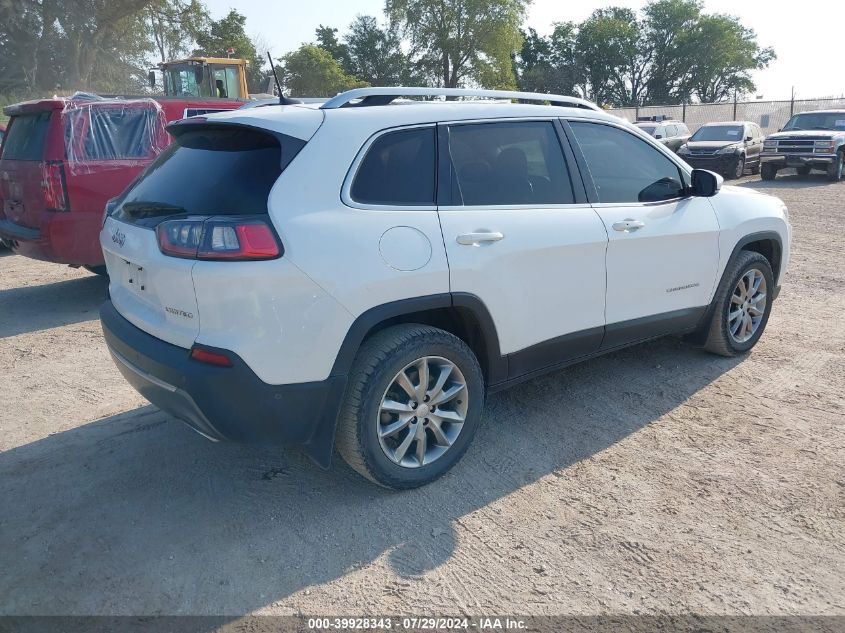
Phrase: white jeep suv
(363,272)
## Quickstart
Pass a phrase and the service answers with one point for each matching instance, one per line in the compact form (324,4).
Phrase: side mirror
(658,136)
(705,184)
(749,138)
(152,78)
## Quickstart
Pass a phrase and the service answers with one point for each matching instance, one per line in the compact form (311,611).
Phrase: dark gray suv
(728,148)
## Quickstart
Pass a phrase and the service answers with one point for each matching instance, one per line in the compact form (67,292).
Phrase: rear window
(210,171)
(26,135)
(93,132)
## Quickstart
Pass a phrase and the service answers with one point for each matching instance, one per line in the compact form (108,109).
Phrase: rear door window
(94,132)
(26,136)
(211,171)
(398,170)
(512,163)
(625,168)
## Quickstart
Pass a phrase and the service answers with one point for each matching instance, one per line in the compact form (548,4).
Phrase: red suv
(63,159)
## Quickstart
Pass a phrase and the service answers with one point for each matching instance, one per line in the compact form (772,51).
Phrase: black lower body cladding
(225,403)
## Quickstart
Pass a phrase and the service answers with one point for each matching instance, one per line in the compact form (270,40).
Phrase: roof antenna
(283,100)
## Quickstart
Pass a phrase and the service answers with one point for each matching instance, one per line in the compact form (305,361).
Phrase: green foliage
(375,55)
(311,71)
(731,53)
(671,52)
(459,41)
(230,32)
(174,26)
(327,40)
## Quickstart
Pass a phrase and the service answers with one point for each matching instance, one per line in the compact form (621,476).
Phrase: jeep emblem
(118,237)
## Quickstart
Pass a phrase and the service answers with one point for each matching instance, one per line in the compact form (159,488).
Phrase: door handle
(628,224)
(474,239)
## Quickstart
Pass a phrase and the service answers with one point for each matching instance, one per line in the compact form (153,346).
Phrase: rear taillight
(53,186)
(219,239)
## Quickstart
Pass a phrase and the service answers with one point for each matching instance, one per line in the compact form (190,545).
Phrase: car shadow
(790,180)
(33,308)
(135,514)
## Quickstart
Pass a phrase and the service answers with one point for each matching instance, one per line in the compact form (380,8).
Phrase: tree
(611,51)
(666,26)
(732,52)
(327,40)
(462,40)
(174,26)
(375,55)
(229,32)
(549,64)
(311,71)
(101,42)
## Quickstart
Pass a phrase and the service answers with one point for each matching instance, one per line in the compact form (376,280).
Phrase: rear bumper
(800,160)
(63,237)
(225,403)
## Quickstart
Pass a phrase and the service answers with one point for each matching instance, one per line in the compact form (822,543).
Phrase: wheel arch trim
(493,363)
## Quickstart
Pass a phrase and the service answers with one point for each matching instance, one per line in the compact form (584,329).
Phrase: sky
(806,37)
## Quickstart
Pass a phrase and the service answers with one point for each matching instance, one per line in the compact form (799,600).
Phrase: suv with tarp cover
(63,158)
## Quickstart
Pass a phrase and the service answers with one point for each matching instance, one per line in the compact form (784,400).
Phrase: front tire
(739,168)
(834,170)
(412,406)
(743,304)
(768,172)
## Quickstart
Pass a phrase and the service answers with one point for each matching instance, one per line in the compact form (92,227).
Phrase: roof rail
(383,96)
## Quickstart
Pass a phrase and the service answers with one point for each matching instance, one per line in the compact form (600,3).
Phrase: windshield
(718,133)
(817,121)
(188,80)
(648,128)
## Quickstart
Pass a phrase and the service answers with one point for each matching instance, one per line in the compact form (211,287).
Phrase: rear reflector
(211,358)
(219,239)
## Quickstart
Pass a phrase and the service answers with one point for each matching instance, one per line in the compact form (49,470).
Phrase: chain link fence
(769,115)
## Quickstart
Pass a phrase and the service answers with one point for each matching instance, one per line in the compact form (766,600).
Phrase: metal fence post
(734,105)
(684,111)
(792,103)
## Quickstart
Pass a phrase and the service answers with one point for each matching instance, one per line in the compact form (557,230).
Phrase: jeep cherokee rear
(284,272)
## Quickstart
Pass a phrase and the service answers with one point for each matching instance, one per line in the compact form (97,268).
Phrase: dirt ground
(658,480)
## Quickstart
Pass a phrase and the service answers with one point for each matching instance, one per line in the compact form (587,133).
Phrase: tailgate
(23,174)
(150,290)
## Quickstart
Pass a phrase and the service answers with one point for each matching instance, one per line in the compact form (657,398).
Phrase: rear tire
(739,316)
(97,270)
(834,170)
(756,169)
(378,433)
(768,172)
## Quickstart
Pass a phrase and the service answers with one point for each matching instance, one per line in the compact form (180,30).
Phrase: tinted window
(625,168)
(25,136)
(208,172)
(508,163)
(398,170)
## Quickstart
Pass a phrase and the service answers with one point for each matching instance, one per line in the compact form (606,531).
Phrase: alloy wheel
(747,306)
(422,411)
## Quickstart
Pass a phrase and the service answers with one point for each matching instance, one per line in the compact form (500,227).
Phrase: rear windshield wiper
(146,209)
